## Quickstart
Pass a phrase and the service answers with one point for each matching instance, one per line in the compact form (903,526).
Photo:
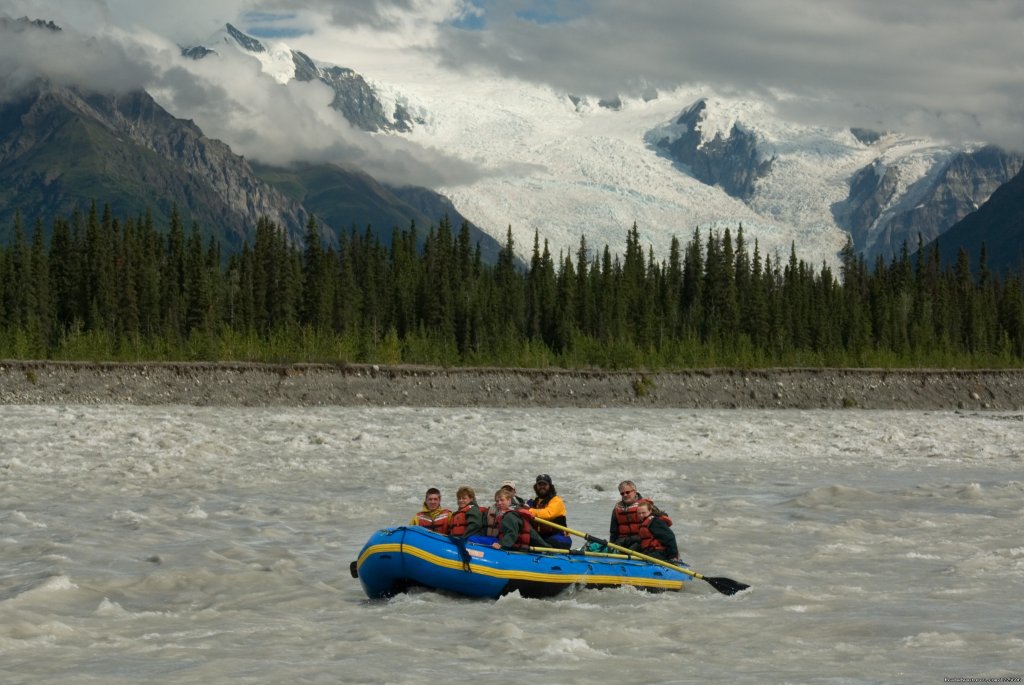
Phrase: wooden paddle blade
(727,586)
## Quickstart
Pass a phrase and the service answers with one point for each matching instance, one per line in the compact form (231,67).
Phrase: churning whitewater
(211,545)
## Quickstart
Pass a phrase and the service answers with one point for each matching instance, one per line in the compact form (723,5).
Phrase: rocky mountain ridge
(997,226)
(61,149)
(890,200)
(64,147)
(354,98)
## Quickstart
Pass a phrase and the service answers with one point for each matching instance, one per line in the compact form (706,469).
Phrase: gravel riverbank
(225,384)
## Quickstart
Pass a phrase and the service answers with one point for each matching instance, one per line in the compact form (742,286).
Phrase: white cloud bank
(940,68)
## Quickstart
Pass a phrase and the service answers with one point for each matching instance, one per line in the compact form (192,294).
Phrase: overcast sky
(948,68)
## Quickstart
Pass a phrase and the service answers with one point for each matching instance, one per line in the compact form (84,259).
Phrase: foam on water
(180,544)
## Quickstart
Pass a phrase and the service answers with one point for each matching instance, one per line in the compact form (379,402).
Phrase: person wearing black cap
(548,505)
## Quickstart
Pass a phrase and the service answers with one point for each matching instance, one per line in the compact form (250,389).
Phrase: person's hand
(496,545)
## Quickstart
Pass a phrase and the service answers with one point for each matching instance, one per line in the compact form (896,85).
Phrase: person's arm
(613,529)
(665,536)
(536,540)
(475,524)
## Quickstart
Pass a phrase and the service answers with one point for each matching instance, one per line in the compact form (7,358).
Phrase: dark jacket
(512,524)
(661,532)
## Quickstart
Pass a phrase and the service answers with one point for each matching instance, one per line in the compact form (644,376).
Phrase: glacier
(560,167)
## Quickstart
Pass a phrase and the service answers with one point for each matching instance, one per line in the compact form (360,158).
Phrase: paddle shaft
(633,553)
(726,586)
(558,550)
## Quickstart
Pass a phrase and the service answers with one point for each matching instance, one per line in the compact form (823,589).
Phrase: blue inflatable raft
(396,559)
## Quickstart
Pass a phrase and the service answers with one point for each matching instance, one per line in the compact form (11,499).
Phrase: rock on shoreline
(228,384)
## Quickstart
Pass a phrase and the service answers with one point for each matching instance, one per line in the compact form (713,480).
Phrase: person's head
(644,508)
(509,485)
(465,495)
(503,499)
(432,500)
(544,487)
(627,491)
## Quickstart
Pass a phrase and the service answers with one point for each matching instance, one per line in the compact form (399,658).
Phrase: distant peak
(25,23)
(247,42)
(692,116)
(197,52)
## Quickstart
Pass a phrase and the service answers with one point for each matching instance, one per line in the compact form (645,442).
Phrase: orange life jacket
(439,523)
(458,523)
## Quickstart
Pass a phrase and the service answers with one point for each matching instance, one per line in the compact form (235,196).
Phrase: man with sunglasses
(548,505)
(625,526)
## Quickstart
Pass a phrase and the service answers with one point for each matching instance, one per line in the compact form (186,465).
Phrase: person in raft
(656,536)
(625,525)
(548,505)
(491,513)
(467,520)
(514,528)
(433,515)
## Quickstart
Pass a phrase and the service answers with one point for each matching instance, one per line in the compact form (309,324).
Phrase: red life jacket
(626,518)
(649,543)
(438,524)
(523,541)
(458,524)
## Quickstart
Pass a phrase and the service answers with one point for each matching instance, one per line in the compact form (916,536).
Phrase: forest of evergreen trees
(102,288)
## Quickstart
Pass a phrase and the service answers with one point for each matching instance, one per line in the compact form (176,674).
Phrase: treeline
(101,288)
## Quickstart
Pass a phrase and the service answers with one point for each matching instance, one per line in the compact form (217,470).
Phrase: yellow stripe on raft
(586,578)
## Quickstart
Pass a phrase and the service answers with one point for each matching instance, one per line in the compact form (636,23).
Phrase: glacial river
(211,545)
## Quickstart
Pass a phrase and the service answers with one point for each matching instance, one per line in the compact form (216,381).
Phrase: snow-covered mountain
(565,165)
(353,96)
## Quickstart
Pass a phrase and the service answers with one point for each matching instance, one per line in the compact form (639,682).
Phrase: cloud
(227,95)
(65,57)
(941,67)
(384,16)
(280,124)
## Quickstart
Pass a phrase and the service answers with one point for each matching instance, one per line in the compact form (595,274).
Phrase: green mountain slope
(61,150)
(348,198)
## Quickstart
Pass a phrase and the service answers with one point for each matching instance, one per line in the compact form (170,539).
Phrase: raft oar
(726,586)
(559,550)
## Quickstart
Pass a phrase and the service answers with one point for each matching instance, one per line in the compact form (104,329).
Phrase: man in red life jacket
(625,526)
(433,515)
(515,530)
(656,536)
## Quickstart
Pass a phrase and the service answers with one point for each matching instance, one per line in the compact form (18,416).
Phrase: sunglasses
(627,492)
